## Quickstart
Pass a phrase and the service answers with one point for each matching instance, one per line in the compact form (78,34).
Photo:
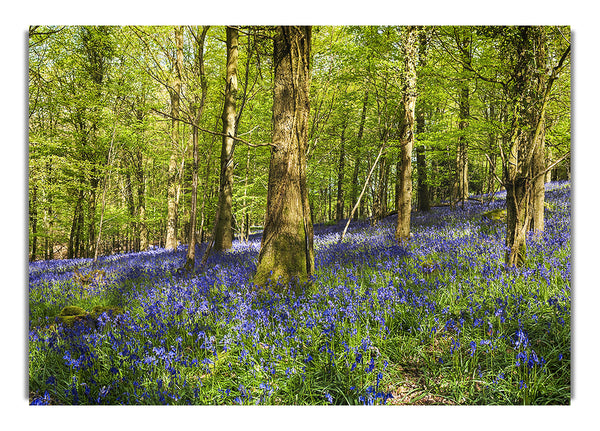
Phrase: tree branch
(235,138)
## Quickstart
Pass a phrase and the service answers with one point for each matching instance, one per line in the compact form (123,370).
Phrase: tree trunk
(141,192)
(529,95)
(223,236)
(339,214)
(538,162)
(422,184)
(33,220)
(190,260)
(423,189)
(538,192)
(172,180)
(406,134)
(286,251)
(357,157)
(462,162)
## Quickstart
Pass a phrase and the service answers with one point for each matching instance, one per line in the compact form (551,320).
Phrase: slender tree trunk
(380,207)
(339,213)
(72,248)
(33,220)
(359,200)
(406,133)
(357,158)
(92,204)
(198,108)
(224,221)
(286,251)
(141,192)
(172,179)
(462,160)
(423,188)
(49,214)
(246,224)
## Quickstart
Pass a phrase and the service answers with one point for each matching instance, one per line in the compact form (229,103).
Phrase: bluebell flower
(473,347)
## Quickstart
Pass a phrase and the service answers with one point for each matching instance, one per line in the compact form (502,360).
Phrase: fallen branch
(362,193)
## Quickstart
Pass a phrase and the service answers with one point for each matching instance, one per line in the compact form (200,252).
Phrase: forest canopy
(115,114)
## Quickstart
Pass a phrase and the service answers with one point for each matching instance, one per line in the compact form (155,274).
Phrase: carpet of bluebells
(438,321)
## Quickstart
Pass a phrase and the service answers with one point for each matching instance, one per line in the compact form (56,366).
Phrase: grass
(441,321)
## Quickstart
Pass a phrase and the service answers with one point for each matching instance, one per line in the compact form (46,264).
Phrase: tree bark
(172,180)
(198,108)
(223,236)
(529,95)
(538,162)
(406,134)
(462,161)
(33,221)
(286,252)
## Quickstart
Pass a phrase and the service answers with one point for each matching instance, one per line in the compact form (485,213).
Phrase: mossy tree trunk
(286,251)
(406,133)
(529,94)
(538,162)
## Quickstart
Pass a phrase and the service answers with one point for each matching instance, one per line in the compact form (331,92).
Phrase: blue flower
(473,346)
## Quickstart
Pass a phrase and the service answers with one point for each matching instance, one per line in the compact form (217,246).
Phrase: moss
(496,215)
(72,310)
(70,314)
(284,261)
(112,311)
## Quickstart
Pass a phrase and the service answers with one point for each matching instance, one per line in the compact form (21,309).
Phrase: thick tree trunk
(529,95)
(518,168)
(286,251)
(172,179)
(223,235)
(538,162)
(406,134)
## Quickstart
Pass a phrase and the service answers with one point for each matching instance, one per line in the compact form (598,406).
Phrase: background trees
(151,93)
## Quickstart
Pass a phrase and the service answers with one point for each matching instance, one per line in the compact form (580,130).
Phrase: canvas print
(299,215)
